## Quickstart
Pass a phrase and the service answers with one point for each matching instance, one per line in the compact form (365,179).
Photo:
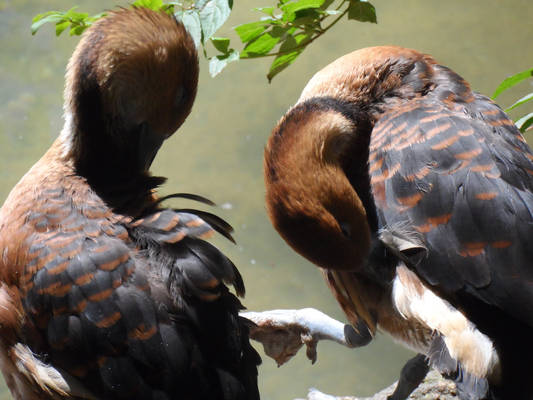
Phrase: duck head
(316,160)
(310,201)
(130,84)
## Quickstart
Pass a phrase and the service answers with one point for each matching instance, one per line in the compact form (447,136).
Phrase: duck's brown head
(316,160)
(309,198)
(130,84)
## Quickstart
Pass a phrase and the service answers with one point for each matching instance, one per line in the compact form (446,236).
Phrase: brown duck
(105,294)
(414,195)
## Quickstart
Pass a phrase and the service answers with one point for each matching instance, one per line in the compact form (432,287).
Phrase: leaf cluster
(283,31)
(526,121)
(75,21)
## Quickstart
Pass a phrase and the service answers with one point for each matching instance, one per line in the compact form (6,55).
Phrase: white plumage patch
(67,134)
(25,374)
(465,343)
(47,377)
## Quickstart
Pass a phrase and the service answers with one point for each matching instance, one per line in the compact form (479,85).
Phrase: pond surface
(218,152)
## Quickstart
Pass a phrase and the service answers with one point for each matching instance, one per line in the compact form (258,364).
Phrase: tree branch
(434,387)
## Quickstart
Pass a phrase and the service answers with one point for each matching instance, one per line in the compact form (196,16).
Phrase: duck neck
(106,150)
(106,156)
(355,168)
(105,144)
(111,166)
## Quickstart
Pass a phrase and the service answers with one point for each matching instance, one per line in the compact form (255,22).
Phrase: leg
(358,336)
(469,387)
(284,332)
(413,372)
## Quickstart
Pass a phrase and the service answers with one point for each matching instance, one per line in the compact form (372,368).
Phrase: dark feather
(190,196)
(459,176)
(215,221)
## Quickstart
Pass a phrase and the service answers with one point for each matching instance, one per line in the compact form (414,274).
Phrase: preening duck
(103,292)
(414,195)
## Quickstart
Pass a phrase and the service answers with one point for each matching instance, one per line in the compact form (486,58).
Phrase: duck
(413,194)
(104,292)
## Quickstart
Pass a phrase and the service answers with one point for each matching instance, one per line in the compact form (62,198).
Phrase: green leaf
(77,29)
(525,122)
(168,8)
(221,44)
(75,16)
(191,20)
(281,62)
(69,12)
(151,4)
(218,63)
(307,17)
(362,10)
(97,17)
(77,21)
(287,58)
(266,10)
(525,99)
(260,46)
(511,81)
(250,31)
(290,9)
(61,26)
(41,19)
(213,14)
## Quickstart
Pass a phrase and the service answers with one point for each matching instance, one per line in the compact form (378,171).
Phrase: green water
(218,152)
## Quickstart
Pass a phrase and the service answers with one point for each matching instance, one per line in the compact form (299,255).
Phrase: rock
(434,387)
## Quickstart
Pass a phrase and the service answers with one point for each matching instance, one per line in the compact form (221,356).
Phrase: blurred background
(218,151)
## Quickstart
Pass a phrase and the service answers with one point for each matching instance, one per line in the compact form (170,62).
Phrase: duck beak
(148,144)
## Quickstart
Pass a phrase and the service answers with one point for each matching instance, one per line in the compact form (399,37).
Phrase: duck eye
(346,229)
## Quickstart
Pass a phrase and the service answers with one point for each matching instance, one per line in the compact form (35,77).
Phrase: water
(218,152)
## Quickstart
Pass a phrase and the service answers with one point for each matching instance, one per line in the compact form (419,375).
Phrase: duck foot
(284,332)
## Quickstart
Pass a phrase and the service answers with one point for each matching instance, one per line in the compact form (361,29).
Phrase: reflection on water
(218,152)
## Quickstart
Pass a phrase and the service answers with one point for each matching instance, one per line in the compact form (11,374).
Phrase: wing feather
(462,178)
(129,297)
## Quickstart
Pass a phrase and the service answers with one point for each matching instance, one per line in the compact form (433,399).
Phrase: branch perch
(434,387)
